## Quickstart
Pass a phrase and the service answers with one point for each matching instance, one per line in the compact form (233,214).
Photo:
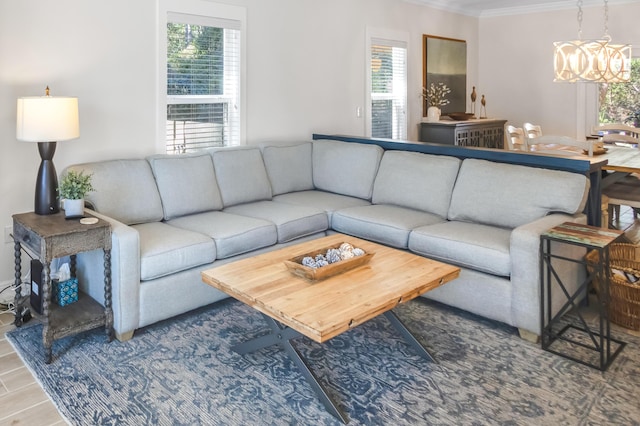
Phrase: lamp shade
(47,119)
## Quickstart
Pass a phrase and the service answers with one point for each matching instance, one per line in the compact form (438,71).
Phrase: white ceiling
(509,7)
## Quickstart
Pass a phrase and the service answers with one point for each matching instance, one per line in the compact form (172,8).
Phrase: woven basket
(624,306)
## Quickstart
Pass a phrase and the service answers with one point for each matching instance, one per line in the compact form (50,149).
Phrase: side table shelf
(572,337)
(85,314)
(48,237)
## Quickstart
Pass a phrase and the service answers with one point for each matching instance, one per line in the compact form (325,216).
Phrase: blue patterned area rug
(182,372)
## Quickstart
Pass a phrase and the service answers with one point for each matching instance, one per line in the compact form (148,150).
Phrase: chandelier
(597,61)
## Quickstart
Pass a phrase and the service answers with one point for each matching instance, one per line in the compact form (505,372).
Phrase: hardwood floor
(23,402)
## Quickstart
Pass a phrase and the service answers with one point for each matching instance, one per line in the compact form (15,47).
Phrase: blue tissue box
(65,292)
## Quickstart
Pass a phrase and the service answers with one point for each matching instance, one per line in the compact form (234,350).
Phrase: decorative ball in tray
(328,261)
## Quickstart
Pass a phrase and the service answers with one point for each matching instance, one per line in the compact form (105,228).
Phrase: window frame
(395,38)
(207,9)
(588,104)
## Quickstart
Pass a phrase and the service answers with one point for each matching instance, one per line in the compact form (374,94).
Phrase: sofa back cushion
(509,195)
(417,181)
(187,184)
(345,168)
(124,190)
(289,167)
(241,175)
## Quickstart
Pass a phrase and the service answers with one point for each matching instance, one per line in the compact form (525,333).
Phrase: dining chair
(622,193)
(617,133)
(620,139)
(625,190)
(616,128)
(625,193)
(553,144)
(532,130)
(516,141)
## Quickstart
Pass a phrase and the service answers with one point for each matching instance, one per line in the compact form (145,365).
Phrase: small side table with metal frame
(557,328)
(49,237)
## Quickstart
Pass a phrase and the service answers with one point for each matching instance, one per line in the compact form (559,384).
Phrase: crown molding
(488,9)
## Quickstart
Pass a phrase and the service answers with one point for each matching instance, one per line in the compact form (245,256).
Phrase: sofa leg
(123,337)
(528,335)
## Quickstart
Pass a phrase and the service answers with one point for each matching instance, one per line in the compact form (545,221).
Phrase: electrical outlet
(7,234)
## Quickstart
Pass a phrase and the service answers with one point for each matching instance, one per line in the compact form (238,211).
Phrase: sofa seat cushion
(327,201)
(382,223)
(233,234)
(475,246)
(165,249)
(292,221)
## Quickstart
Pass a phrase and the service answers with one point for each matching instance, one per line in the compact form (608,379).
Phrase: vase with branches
(435,96)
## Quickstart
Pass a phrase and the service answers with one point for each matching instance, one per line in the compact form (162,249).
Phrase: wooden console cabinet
(484,133)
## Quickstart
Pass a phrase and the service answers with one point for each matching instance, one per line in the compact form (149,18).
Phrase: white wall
(306,61)
(305,74)
(516,63)
(101,52)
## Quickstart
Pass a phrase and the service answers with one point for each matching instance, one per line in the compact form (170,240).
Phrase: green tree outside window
(620,102)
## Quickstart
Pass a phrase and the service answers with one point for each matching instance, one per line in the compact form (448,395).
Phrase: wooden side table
(576,340)
(52,236)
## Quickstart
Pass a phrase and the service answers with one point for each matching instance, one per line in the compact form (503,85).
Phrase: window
(201,75)
(387,82)
(620,102)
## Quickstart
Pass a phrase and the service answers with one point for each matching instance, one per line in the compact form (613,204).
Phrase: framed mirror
(445,61)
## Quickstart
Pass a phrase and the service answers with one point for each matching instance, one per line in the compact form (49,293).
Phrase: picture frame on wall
(445,61)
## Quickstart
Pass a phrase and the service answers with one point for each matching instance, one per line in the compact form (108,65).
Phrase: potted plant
(73,187)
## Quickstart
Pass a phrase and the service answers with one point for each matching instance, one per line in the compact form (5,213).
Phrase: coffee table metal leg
(410,338)
(274,338)
(320,391)
(282,336)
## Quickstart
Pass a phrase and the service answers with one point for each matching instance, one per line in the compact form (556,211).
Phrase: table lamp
(46,120)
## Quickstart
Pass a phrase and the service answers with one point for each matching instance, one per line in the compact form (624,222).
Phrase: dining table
(620,160)
(610,164)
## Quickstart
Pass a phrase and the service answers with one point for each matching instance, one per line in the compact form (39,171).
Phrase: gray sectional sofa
(175,216)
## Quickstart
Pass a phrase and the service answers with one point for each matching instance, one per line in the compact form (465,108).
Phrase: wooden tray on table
(317,274)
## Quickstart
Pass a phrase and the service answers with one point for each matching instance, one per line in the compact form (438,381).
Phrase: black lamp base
(47,201)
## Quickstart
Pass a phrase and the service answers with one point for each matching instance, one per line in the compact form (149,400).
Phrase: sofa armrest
(525,269)
(125,275)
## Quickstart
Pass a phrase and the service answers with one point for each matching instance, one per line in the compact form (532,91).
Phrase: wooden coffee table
(294,306)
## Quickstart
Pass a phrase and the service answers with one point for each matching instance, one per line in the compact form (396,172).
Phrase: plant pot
(433,113)
(74,208)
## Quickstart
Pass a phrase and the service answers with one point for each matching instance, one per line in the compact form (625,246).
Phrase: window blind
(388,89)
(203,82)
